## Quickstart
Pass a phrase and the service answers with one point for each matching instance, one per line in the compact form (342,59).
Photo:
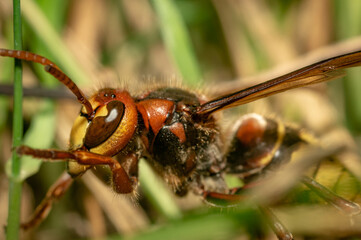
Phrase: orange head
(112,126)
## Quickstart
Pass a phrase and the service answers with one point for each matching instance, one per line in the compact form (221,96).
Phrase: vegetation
(212,47)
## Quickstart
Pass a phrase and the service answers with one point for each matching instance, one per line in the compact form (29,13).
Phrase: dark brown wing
(318,72)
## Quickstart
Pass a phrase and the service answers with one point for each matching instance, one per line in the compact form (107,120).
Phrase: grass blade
(15,183)
(177,41)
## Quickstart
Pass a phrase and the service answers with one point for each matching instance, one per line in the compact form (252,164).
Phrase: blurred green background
(210,46)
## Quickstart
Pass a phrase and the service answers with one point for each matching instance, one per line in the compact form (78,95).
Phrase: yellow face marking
(78,132)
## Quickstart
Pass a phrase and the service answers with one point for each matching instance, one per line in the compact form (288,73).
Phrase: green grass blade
(206,225)
(349,25)
(158,194)
(177,41)
(38,22)
(42,127)
(15,184)
(39,135)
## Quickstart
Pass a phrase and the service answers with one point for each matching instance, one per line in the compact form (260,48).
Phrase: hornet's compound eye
(102,127)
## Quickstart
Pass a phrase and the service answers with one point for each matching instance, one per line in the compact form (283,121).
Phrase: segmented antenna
(28,56)
(54,70)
